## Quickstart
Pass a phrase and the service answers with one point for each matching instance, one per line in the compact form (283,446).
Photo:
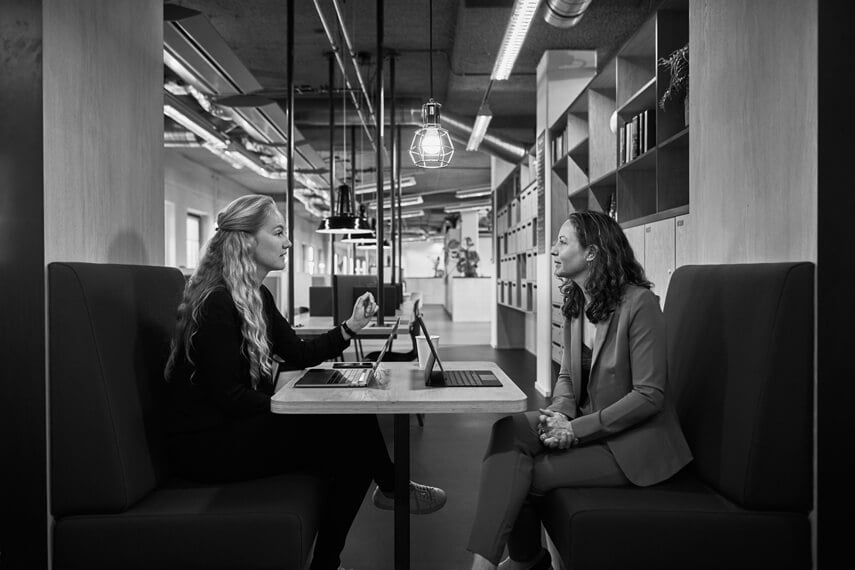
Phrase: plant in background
(678,65)
(467,259)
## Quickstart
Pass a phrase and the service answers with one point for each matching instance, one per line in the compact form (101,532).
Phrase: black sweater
(221,389)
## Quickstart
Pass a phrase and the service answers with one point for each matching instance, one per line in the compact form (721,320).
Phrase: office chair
(409,356)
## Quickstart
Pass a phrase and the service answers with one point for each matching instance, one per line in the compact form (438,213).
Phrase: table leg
(402,492)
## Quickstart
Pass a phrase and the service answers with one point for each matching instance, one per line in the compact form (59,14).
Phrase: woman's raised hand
(363,310)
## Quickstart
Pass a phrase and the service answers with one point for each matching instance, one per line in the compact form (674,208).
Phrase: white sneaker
(423,499)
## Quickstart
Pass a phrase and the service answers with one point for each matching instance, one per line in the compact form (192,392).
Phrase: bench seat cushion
(265,523)
(679,524)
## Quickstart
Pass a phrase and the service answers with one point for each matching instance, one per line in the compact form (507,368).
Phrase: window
(310,260)
(169,233)
(194,239)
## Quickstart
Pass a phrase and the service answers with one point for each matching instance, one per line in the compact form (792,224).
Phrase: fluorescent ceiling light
(369,188)
(409,201)
(479,129)
(412,214)
(468,207)
(473,192)
(195,124)
(523,14)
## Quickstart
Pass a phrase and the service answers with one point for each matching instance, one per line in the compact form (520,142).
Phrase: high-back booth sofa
(115,503)
(740,365)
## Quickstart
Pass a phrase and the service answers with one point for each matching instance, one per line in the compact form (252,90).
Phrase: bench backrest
(740,350)
(110,327)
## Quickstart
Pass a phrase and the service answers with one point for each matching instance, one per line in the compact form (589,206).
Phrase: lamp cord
(430,43)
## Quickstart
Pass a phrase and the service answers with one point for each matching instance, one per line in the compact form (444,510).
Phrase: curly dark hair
(613,268)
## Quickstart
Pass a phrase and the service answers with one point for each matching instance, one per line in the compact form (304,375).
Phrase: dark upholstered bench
(114,502)
(740,350)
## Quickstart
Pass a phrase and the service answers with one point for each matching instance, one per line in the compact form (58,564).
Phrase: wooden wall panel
(103,129)
(753,119)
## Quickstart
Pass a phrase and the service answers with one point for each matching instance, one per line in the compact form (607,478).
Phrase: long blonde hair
(228,262)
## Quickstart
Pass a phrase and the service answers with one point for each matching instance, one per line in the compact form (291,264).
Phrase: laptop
(346,374)
(453,378)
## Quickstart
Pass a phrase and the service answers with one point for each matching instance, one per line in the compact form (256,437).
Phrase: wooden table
(316,326)
(406,394)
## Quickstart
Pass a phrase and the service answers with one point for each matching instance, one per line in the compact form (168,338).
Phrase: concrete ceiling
(466,37)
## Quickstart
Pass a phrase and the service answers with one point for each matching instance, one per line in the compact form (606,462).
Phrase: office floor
(446,452)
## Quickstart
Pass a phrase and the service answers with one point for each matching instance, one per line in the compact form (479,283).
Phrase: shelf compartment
(646,161)
(672,174)
(636,193)
(579,154)
(636,62)
(641,100)
(560,169)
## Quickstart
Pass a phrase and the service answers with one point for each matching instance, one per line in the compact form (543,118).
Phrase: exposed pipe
(380,124)
(500,147)
(289,133)
(564,13)
(337,52)
(352,54)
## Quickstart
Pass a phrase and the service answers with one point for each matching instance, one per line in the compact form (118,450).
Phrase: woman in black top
(220,377)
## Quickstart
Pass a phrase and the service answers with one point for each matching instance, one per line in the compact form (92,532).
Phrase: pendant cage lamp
(431,146)
(343,222)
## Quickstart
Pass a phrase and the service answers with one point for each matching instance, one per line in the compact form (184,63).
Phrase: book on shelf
(622,145)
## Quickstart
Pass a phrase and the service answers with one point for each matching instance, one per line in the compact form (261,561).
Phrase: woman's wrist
(348,330)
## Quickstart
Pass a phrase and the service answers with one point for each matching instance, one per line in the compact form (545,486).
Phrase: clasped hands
(363,310)
(555,431)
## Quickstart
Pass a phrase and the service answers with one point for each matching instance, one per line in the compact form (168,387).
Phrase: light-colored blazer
(627,389)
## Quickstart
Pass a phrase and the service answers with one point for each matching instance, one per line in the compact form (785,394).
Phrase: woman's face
(570,258)
(272,243)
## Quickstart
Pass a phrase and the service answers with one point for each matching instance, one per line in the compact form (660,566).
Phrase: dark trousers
(517,471)
(348,451)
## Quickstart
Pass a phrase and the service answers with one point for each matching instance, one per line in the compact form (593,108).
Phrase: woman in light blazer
(610,421)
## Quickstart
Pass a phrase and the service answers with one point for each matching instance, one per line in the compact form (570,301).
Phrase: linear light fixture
(479,129)
(195,124)
(412,214)
(521,17)
(409,201)
(468,207)
(369,188)
(473,192)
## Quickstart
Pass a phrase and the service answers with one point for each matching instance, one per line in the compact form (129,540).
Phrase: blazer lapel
(600,338)
(576,357)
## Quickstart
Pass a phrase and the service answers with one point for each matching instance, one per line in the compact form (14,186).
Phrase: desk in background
(314,326)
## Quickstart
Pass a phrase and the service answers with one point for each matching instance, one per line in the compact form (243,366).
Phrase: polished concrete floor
(446,452)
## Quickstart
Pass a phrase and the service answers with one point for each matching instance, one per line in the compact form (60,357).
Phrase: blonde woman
(220,381)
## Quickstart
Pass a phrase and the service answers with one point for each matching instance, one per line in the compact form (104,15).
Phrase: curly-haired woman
(220,374)
(610,422)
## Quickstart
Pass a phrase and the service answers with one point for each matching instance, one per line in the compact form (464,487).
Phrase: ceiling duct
(200,57)
(564,13)
(500,147)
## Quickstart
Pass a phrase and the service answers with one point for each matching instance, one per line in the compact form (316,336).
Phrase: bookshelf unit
(516,239)
(638,173)
(615,150)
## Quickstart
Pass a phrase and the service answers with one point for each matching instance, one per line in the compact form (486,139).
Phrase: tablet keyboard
(358,376)
(469,378)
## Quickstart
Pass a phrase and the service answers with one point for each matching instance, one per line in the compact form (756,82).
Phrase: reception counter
(468,299)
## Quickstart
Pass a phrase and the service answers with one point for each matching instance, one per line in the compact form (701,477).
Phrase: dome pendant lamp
(431,146)
(344,222)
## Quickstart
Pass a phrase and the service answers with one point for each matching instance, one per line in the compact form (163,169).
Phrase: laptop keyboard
(358,376)
(470,378)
